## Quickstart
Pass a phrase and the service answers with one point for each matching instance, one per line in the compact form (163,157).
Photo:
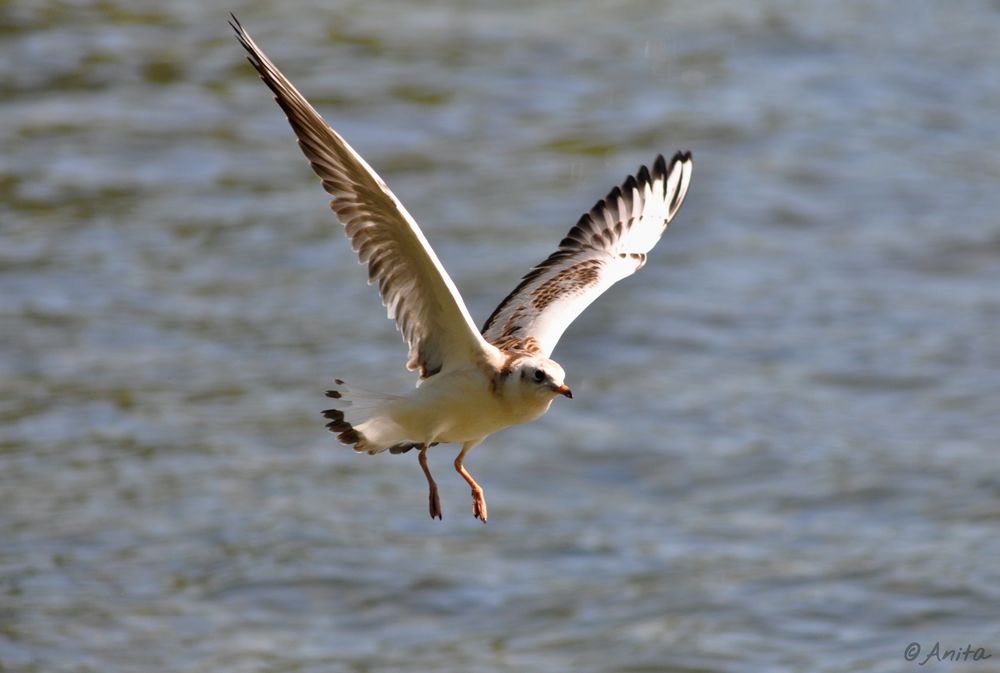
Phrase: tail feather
(346,432)
(360,420)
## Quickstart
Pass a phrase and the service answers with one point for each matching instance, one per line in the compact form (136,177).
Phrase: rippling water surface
(782,454)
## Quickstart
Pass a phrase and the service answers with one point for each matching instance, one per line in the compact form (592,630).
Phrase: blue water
(782,450)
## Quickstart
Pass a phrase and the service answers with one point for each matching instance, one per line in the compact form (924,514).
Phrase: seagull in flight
(472,383)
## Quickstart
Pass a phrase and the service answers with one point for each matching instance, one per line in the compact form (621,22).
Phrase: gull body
(465,405)
(472,382)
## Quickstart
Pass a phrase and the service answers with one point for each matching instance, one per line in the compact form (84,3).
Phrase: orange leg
(434,501)
(478,500)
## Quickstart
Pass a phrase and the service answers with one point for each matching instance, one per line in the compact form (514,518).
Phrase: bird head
(541,377)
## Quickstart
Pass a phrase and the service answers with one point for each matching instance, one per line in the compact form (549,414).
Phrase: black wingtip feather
(643,177)
(660,166)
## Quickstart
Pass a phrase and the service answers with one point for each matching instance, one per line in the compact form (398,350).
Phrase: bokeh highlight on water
(781,455)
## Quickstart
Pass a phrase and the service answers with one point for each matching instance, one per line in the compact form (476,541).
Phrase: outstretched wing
(415,288)
(607,244)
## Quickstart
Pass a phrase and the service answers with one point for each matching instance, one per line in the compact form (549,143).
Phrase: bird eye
(539,376)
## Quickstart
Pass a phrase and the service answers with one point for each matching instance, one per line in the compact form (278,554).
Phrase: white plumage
(471,384)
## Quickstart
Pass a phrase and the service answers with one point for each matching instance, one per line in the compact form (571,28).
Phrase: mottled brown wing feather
(415,287)
(607,244)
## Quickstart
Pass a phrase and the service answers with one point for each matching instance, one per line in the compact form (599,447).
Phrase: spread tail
(361,420)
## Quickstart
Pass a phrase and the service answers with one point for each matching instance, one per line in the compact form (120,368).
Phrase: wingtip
(679,157)
(254,56)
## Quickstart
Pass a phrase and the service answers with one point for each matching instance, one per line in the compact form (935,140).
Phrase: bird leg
(478,500)
(434,501)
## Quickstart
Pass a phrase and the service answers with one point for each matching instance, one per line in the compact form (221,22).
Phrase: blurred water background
(782,454)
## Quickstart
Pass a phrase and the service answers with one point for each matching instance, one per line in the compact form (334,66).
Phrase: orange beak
(564,390)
